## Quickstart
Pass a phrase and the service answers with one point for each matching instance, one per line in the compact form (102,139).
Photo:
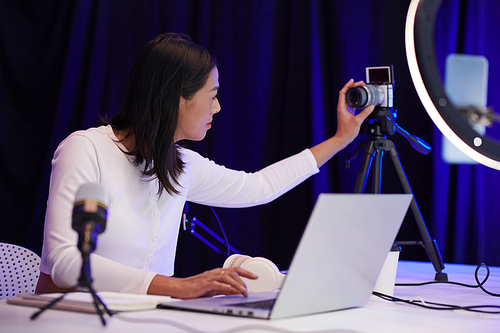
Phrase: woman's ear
(182,104)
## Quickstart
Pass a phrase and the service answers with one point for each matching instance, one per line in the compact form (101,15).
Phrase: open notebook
(335,266)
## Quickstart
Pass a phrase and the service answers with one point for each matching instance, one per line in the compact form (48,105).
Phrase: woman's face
(196,114)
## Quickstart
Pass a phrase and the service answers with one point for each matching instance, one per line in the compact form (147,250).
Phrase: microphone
(89,215)
(89,219)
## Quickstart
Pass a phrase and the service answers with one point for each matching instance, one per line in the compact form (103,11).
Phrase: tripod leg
(86,281)
(99,303)
(51,304)
(430,245)
(377,171)
(368,153)
(100,307)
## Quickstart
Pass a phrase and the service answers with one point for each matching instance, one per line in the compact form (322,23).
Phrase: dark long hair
(168,67)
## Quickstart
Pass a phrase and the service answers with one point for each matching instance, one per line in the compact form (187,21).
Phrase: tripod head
(382,122)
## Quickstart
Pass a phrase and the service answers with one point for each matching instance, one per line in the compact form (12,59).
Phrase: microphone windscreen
(91,203)
(94,192)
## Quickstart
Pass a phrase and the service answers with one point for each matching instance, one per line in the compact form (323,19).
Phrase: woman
(171,96)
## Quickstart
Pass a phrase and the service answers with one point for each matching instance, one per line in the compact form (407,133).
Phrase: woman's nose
(216,106)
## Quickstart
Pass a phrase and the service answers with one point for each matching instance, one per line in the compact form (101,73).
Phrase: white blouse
(141,232)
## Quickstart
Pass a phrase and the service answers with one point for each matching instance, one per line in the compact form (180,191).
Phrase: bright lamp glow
(420,22)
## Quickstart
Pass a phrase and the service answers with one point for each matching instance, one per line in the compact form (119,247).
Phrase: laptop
(335,266)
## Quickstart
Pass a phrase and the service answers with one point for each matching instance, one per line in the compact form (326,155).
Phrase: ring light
(420,54)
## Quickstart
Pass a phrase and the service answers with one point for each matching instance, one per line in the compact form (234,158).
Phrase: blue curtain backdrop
(281,66)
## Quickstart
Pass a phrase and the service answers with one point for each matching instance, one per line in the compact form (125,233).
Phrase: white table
(376,316)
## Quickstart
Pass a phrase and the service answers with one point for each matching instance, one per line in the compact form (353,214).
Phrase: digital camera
(378,90)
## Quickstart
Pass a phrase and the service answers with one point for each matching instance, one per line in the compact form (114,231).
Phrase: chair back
(19,270)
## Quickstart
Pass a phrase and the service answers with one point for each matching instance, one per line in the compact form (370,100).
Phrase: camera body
(378,90)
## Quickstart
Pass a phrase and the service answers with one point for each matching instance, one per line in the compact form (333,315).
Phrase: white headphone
(269,276)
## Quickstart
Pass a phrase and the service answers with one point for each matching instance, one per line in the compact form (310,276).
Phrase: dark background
(281,66)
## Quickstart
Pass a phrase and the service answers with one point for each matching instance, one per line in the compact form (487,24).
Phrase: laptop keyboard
(265,304)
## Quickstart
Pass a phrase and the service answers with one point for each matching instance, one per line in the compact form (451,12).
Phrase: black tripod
(86,245)
(382,122)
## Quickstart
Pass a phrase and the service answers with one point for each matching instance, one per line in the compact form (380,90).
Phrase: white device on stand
(466,85)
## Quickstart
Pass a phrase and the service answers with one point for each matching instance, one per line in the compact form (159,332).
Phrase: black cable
(476,277)
(480,285)
(223,232)
(417,284)
(439,306)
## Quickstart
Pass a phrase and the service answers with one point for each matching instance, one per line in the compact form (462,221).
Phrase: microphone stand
(381,122)
(209,233)
(86,245)
(195,222)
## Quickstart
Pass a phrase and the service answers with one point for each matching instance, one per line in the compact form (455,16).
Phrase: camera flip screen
(379,74)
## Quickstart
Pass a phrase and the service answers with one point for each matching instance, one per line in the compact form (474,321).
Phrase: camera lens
(362,96)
